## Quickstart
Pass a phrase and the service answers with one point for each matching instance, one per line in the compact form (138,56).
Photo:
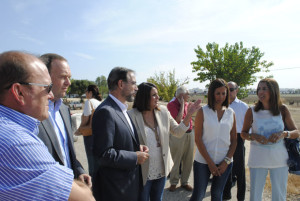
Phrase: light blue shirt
(60,130)
(27,169)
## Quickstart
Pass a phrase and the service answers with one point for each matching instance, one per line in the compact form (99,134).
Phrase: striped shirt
(27,170)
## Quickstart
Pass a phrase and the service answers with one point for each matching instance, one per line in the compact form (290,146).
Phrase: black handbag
(293,149)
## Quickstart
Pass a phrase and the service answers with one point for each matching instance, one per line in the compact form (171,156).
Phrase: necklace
(154,129)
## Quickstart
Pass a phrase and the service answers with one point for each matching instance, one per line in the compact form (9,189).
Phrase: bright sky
(151,36)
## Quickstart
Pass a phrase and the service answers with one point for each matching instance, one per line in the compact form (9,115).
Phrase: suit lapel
(123,118)
(66,119)
(140,124)
(53,137)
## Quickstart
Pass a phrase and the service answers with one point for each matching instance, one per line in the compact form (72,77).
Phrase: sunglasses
(47,87)
(232,89)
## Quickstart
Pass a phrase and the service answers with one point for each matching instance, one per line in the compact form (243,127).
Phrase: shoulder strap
(91,116)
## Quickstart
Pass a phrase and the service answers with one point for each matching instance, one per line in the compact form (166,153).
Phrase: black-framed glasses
(48,87)
(232,89)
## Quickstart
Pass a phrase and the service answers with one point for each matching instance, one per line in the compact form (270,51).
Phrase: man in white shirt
(238,169)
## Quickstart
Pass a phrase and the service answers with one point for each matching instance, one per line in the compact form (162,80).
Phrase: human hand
(259,138)
(87,179)
(193,107)
(181,100)
(77,133)
(141,157)
(222,167)
(275,137)
(214,170)
(144,148)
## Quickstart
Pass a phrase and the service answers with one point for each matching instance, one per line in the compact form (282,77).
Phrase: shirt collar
(54,106)
(23,120)
(122,106)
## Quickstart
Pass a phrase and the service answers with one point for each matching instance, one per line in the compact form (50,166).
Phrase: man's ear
(18,93)
(120,84)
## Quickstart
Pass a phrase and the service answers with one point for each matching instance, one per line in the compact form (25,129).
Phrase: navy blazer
(48,136)
(117,176)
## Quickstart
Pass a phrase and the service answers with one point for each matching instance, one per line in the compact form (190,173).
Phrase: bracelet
(227,160)
(288,134)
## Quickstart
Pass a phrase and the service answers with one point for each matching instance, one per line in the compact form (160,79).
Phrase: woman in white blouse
(93,101)
(268,120)
(153,124)
(215,137)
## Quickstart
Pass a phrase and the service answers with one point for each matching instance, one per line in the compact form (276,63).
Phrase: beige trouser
(182,151)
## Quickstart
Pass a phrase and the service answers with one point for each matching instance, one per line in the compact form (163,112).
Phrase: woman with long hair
(215,137)
(154,124)
(268,119)
(93,101)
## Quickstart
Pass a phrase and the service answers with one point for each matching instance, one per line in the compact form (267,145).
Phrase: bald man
(27,170)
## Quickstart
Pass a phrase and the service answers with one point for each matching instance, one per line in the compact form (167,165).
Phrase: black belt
(188,131)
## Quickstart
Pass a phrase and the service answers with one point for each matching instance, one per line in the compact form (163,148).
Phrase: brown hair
(95,91)
(13,68)
(275,100)
(143,96)
(211,92)
(49,57)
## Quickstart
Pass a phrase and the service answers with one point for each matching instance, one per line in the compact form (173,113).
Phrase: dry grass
(293,184)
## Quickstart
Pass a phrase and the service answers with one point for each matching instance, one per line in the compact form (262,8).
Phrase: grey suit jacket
(48,136)
(166,126)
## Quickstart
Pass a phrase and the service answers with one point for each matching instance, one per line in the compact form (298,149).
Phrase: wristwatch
(288,134)
(227,160)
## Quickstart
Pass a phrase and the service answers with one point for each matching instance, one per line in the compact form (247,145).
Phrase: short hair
(181,90)
(275,100)
(211,92)
(143,97)
(13,68)
(116,74)
(234,83)
(49,57)
(95,91)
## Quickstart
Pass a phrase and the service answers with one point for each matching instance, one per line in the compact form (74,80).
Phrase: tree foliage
(101,82)
(166,84)
(232,63)
(79,86)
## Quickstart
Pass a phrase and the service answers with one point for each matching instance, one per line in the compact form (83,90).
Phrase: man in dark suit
(118,153)
(56,131)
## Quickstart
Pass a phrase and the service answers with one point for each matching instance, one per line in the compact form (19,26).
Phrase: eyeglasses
(232,89)
(48,87)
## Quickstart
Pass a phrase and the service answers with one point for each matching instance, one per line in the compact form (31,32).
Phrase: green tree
(232,63)
(79,86)
(101,82)
(166,84)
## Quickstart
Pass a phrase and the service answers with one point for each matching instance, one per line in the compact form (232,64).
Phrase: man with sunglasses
(56,131)
(238,169)
(27,170)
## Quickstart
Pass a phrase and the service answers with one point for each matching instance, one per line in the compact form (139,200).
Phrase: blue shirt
(60,130)
(27,170)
